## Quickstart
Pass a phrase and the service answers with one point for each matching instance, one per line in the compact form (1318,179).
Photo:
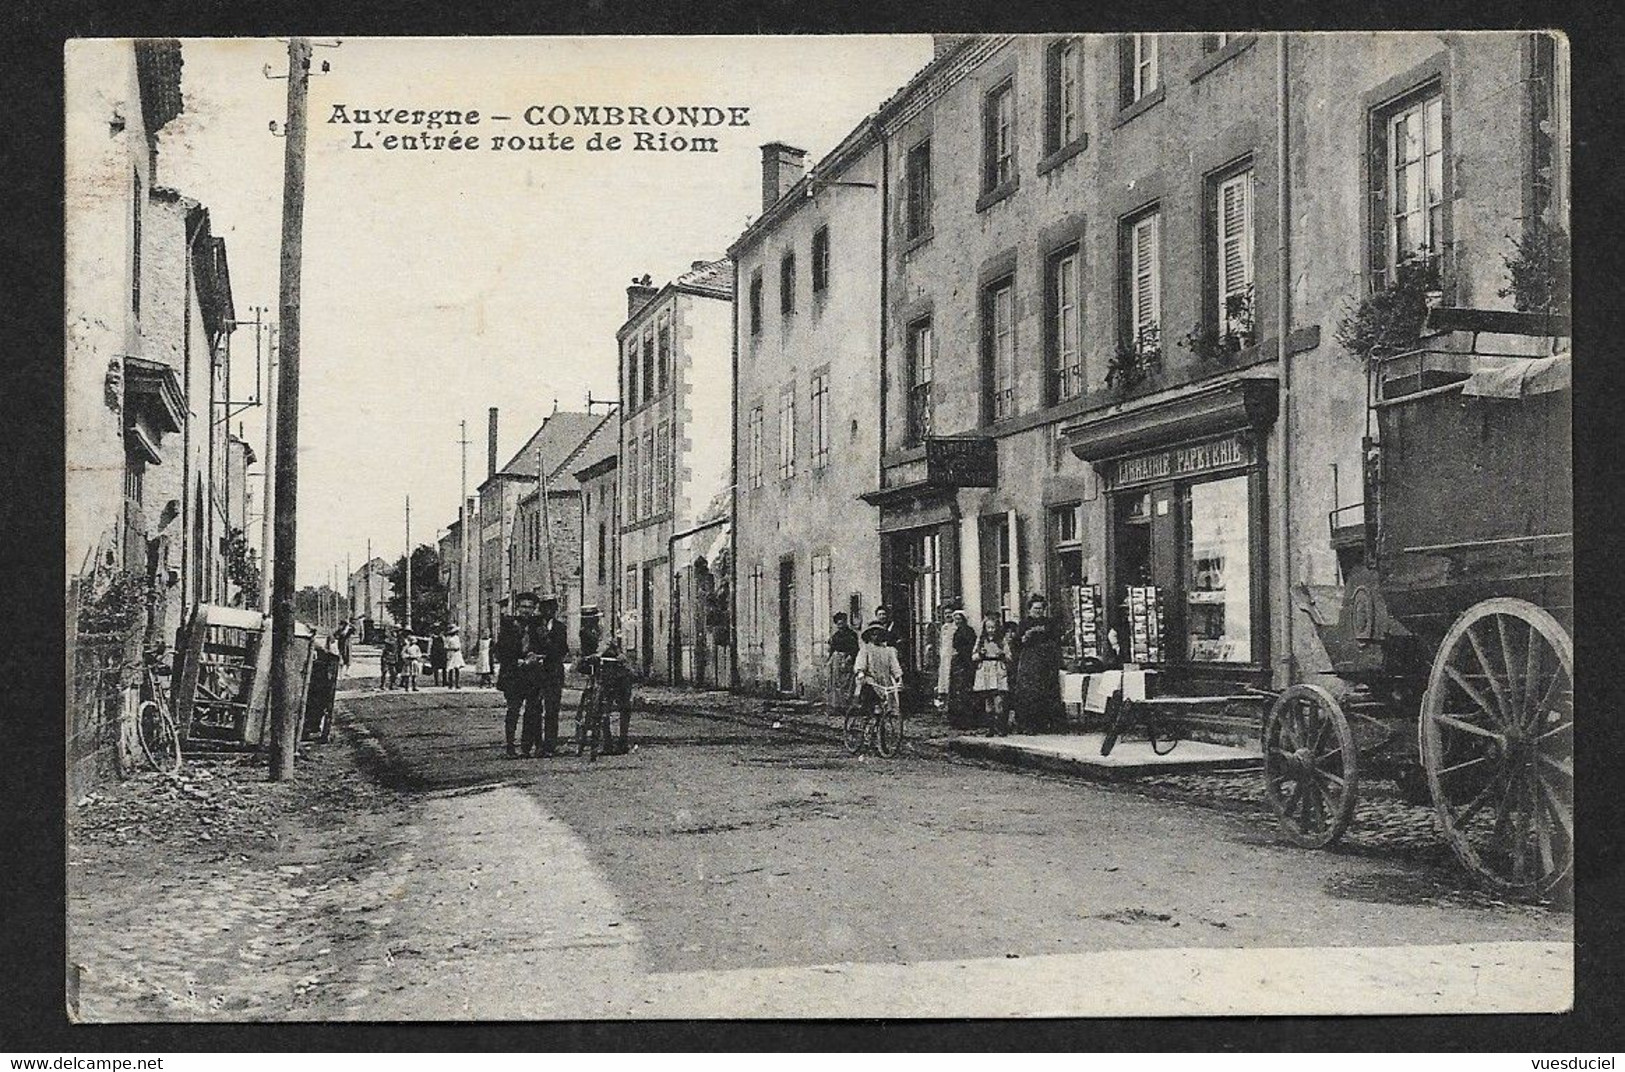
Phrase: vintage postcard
(967,525)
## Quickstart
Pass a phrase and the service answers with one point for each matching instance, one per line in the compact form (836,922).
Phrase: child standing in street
(993,677)
(454,657)
(411,662)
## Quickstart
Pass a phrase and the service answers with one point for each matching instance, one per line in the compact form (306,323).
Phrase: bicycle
(592,729)
(878,723)
(156,731)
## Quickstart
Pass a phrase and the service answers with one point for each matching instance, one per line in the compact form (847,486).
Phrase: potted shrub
(1222,342)
(1135,360)
(1390,320)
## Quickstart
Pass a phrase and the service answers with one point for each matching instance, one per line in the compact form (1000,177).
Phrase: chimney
(695,266)
(639,294)
(491,446)
(781,167)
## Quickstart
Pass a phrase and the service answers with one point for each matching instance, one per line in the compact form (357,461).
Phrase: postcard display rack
(1085,599)
(1145,625)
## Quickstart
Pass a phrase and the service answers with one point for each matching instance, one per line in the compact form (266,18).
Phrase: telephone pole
(463,535)
(267,510)
(409,564)
(285,698)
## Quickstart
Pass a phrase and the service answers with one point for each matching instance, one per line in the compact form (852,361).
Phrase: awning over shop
(153,389)
(1518,377)
(1147,423)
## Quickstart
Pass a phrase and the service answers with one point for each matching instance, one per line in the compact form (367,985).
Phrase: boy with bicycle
(876,667)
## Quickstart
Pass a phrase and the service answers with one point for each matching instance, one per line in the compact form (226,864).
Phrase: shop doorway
(787,625)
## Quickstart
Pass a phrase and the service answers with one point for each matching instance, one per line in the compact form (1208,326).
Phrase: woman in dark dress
(1035,689)
(961,673)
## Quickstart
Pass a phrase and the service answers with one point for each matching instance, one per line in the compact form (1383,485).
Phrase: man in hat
(555,651)
(520,640)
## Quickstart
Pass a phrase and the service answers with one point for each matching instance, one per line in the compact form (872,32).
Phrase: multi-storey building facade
(676,387)
(514,545)
(1114,268)
(807,390)
(596,472)
(368,591)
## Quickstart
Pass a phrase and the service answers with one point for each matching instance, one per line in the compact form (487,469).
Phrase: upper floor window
(1140,74)
(632,475)
(663,353)
(1231,211)
(1410,137)
(603,550)
(820,260)
(917,196)
(662,468)
(999,146)
(756,302)
(787,284)
(820,420)
(999,320)
(1143,285)
(632,372)
(753,447)
(1065,97)
(1066,315)
(787,433)
(648,364)
(918,424)
(649,468)
(1215,42)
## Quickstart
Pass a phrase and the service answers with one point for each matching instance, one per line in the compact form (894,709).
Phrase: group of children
(400,661)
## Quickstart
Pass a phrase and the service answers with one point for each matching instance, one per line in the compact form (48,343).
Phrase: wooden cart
(1451,636)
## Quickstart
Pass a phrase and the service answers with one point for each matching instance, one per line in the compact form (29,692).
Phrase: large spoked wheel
(1498,744)
(852,728)
(890,731)
(160,742)
(1310,765)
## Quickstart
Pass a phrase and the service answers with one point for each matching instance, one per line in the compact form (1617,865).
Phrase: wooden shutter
(1145,281)
(1235,245)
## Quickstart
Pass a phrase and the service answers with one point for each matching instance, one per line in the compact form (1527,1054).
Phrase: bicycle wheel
(890,719)
(160,741)
(584,711)
(852,728)
(1116,723)
(595,732)
(1162,740)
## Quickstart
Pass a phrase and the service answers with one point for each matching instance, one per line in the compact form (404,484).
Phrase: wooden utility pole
(463,537)
(285,686)
(267,508)
(547,531)
(409,564)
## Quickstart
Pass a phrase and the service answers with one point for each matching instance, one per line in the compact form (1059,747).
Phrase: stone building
(512,541)
(368,590)
(148,310)
(597,471)
(806,397)
(545,546)
(1093,378)
(676,388)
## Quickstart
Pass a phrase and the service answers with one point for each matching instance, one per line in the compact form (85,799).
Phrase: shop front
(1184,484)
(920,545)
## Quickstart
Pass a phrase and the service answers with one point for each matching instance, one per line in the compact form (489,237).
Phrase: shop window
(999,329)
(917,195)
(1067,525)
(1408,182)
(919,383)
(1218,578)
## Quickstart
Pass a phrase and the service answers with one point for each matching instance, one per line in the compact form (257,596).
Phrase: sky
(437,284)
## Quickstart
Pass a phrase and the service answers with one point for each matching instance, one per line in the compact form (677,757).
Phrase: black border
(34,582)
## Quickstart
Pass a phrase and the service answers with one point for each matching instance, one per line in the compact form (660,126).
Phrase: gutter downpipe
(1287,662)
(885,274)
(733,494)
